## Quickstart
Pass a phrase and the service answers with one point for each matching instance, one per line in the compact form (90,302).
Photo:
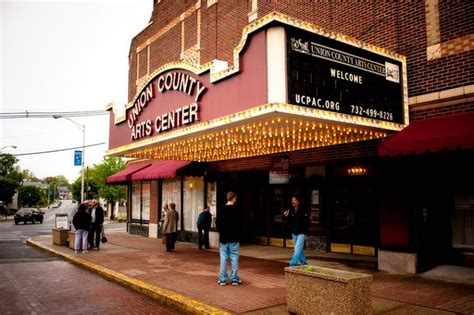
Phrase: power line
(59,150)
(28,114)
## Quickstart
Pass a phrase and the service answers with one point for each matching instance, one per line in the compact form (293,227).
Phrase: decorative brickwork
(435,110)
(458,45)
(435,36)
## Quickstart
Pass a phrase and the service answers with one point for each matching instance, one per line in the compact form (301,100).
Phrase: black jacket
(204,220)
(81,221)
(229,224)
(298,220)
(99,215)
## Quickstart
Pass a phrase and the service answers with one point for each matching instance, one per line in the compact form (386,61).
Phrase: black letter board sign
(330,75)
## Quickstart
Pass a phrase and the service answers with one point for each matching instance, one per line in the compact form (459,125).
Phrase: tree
(29,195)
(58,180)
(10,177)
(7,164)
(76,189)
(27,174)
(7,190)
(96,179)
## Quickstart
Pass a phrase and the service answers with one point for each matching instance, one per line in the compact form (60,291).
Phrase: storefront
(300,110)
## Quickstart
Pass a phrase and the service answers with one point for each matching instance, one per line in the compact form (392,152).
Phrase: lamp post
(83,129)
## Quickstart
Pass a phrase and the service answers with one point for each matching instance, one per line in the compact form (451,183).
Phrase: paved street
(34,282)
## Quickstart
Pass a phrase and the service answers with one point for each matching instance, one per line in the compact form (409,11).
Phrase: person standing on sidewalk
(298,219)
(229,225)
(204,225)
(97,221)
(82,222)
(170,227)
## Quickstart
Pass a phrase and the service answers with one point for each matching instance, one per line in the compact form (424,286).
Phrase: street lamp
(83,129)
(8,146)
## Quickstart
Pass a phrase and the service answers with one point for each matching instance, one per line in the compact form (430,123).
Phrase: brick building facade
(437,40)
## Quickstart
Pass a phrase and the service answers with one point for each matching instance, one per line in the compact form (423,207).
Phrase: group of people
(88,222)
(229,225)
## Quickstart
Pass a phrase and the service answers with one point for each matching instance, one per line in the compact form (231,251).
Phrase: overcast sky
(63,56)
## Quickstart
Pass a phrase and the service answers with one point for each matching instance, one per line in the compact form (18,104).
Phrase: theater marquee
(331,75)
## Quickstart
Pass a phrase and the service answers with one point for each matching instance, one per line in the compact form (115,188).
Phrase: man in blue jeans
(229,225)
(298,219)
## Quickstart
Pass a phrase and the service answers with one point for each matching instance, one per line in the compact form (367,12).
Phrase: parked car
(29,214)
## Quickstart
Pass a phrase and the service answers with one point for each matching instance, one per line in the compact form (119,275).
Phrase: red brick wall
(190,31)
(456,19)
(460,107)
(208,33)
(399,26)
(307,157)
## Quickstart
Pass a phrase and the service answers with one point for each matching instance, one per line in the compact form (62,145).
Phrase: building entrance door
(353,215)
(271,227)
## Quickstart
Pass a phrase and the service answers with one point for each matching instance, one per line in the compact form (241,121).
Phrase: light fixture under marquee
(267,129)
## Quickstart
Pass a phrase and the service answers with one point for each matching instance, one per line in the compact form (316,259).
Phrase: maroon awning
(431,135)
(160,169)
(125,175)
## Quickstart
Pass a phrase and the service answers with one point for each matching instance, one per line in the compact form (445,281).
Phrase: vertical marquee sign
(330,75)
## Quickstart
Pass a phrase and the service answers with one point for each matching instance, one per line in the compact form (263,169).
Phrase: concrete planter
(317,290)
(72,239)
(60,236)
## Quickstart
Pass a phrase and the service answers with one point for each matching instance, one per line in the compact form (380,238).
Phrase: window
(463,222)
(193,201)
(211,196)
(136,200)
(171,193)
(146,201)
(141,202)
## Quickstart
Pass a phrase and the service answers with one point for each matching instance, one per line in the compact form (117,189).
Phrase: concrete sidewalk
(187,278)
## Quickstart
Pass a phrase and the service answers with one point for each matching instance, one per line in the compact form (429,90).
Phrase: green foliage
(29,196)
(10,177)
(27,174)
(7,164)
(109,166)
(95,179)
(58,180)
(7,189)
(76,189)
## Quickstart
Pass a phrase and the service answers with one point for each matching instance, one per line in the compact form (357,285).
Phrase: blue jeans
(229,251)
(298,254)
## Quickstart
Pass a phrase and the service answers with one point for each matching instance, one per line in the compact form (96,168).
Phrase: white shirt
(93,215)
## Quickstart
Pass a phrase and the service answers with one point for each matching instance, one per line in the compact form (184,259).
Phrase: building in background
(364,108)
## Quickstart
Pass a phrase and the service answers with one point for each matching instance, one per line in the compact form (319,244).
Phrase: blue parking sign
(77,158)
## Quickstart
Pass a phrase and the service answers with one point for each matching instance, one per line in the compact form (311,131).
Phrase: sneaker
(85,251)
(238,282)
(75,252)
(221,283)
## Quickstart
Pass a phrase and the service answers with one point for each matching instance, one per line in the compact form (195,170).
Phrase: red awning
(431,135)
(126,174)
(160,169)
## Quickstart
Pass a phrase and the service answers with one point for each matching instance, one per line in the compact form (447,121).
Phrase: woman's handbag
(103,238)
(163,239)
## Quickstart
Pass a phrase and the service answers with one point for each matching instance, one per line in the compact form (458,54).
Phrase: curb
(164,297)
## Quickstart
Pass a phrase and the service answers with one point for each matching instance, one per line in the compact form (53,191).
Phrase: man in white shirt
(97,221)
